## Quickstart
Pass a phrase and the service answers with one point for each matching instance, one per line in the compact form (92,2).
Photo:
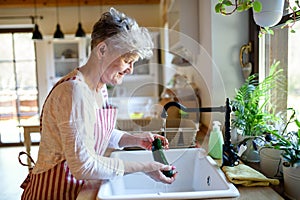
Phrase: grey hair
(122,33)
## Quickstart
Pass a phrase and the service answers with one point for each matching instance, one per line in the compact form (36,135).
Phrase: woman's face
(121,66)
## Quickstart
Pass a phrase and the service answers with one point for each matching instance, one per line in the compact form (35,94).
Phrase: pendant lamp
(36,34)
(58,33)
(80,32)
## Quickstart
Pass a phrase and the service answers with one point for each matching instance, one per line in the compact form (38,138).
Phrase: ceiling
(51,3)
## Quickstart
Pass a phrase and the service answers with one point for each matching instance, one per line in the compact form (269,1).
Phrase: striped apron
(58,183)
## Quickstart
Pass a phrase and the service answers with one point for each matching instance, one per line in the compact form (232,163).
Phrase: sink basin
(198,177)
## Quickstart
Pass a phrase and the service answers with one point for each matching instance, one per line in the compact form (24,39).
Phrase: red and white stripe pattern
(55,184)
(58,183)
(105,123)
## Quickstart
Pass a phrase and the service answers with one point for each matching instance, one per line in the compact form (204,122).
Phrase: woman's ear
(101,49)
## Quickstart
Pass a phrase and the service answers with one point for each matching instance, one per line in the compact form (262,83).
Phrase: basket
(181,133)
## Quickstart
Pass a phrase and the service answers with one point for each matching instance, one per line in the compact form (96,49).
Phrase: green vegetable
(159,156)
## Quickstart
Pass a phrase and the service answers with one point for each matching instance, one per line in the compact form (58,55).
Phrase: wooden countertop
(259,193)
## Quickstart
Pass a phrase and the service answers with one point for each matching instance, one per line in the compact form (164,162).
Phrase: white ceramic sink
(198,177)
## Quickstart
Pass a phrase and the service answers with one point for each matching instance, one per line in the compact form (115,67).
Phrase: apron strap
(24,153)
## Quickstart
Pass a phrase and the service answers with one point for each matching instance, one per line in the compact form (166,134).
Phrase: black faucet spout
(176,104)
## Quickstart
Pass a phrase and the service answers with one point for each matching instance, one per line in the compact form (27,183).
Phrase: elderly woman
(78,124)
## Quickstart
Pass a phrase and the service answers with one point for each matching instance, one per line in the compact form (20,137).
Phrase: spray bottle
(216,141)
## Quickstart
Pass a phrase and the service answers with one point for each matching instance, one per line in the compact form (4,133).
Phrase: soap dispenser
(215,144)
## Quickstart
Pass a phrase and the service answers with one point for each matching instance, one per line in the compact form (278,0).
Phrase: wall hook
(245,50)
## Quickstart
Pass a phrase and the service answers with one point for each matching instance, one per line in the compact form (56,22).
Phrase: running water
(164,127)
(161,188)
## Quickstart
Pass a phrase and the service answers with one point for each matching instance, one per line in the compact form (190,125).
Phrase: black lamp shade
(58,33)
(36,34)
(80,32)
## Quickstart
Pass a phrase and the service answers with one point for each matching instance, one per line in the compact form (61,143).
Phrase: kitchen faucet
(230,158)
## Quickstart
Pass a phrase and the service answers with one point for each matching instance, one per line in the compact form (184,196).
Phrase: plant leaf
(218,8)
(257,6)
(227,3)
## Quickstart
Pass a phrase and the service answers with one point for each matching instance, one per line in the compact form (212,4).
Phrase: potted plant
(262,9)
(251,114)
(289,144)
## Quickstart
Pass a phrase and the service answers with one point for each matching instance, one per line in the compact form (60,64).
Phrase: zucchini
(159,156)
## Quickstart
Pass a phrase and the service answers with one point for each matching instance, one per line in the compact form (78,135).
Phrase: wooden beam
(52,3)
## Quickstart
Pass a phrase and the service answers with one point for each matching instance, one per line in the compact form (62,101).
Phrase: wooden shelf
(52,3)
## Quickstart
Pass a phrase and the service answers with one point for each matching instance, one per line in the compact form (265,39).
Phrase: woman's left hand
(145,140)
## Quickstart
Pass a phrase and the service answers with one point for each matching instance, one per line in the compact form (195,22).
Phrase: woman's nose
(129,70)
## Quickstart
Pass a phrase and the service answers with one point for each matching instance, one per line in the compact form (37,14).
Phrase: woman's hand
(143,140)
(157,173)
(153,169)
(146,139)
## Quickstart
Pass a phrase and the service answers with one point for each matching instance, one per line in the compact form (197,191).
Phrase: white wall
(221,36)
(229,34)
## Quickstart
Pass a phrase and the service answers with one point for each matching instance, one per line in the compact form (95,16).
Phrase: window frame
(23,107)
(254,38)
(259,54)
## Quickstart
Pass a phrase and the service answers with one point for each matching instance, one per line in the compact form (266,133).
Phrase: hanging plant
(228,7)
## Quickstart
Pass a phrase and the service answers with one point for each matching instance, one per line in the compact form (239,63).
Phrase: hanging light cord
(57,12)
(35,10)
(79,14)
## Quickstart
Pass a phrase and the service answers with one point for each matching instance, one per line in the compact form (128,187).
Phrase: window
(18,85)
(283,46)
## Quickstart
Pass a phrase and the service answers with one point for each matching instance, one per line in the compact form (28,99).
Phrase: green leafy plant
(289,142)
(253,115)
(237,5)
(228,7)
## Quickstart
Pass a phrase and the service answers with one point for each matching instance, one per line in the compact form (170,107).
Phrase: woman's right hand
(156,172)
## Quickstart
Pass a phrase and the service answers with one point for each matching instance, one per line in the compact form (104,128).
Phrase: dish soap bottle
(215,144)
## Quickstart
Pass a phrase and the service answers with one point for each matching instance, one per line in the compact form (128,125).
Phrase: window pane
(8,107)
(6,47)
(275,48)
(18,85)
(26,74)
(294,69)
(24,46)
(7,76)
(284,46)
(27,89)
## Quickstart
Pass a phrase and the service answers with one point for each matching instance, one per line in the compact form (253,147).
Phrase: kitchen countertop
(259,193)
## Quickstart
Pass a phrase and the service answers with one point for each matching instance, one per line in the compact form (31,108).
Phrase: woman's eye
(128,61)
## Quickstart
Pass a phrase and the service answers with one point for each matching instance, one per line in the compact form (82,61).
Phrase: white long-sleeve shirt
(68,119)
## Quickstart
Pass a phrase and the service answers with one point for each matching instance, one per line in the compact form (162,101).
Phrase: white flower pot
(270,162)
(291,177)
(271,13)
